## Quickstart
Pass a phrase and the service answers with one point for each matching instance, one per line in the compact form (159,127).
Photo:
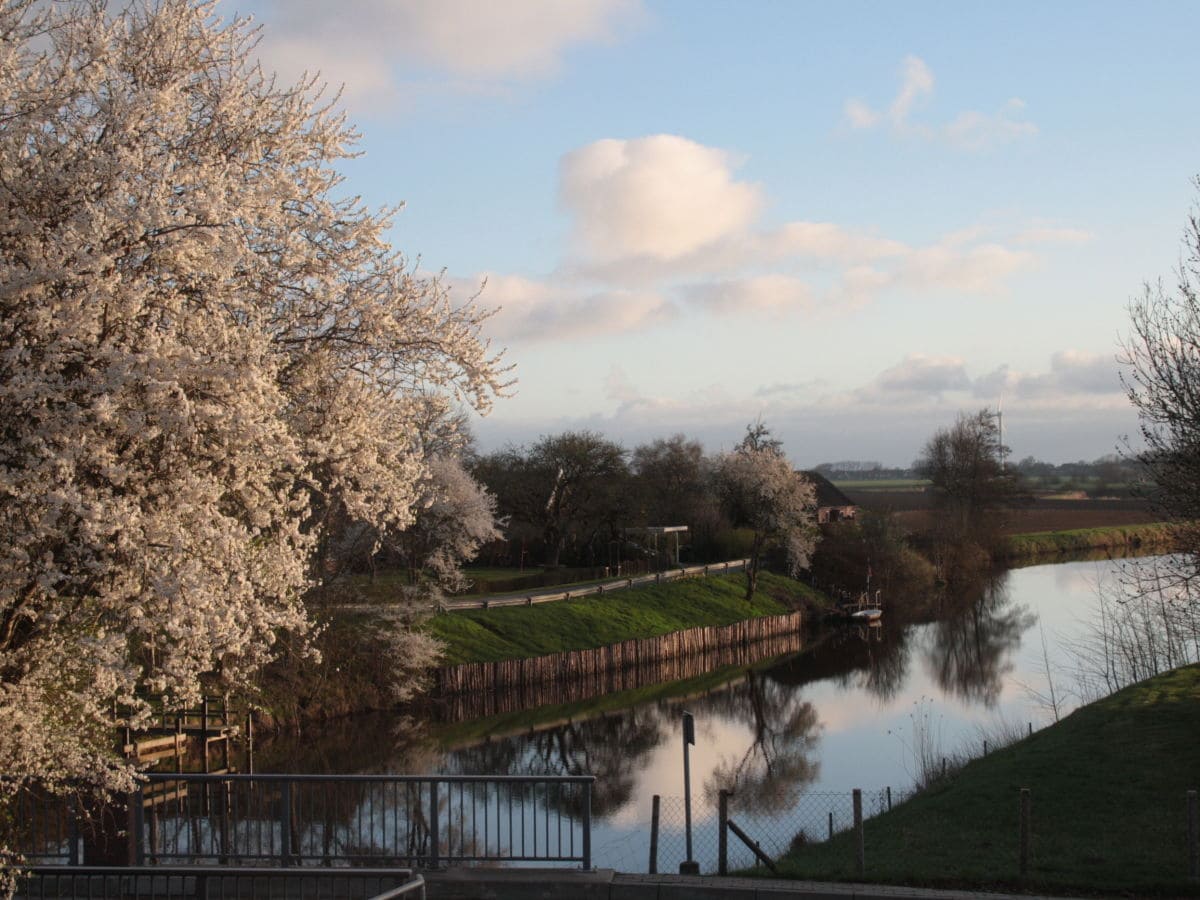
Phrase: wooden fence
(482,689)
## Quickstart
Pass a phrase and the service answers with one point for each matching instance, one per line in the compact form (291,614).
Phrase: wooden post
(985,746)
(831,825)
(723,833)
(1025,832)
(653,869)
(1193,837)
(860,851)
(889,796)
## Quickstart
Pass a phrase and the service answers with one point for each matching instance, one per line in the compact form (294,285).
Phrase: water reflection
(614,748)
(972,643)
(780,760)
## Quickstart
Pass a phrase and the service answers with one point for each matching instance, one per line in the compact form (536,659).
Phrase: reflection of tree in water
(613,748)
(778,764)
(873,659)
(972,642)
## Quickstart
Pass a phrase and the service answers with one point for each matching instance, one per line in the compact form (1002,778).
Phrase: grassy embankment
(520,631)
(1078,540)
(1107,783)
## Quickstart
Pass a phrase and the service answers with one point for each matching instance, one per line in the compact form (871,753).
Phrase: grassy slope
(1082,539)
(1108,786)
(512,632)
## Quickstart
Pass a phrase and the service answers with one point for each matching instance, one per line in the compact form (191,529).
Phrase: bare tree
(1162,379)
(970,484)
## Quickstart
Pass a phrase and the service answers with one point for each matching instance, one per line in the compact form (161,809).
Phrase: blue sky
(852,220)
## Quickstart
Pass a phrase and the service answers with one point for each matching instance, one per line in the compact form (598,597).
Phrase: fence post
(73,830)
(723,833)
(889,796)
(587,826)
(1025,831)
(831,825)
(136,812)
(434,825)
(860,852)
(1193,837)
(285,823)
(653,868)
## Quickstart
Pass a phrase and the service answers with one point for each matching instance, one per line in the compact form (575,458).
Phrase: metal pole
(1025,831)
(435,825)
(723,833)
(653,867)
(1193,837)
(860,856)
(689,866)
(587,826)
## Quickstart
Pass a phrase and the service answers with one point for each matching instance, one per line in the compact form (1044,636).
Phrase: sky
(851,220)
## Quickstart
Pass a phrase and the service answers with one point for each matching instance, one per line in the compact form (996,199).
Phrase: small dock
(201,735)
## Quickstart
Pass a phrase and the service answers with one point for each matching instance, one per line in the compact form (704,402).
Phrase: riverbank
(1146,537)
(353,678)
(1107,784)
(496,635)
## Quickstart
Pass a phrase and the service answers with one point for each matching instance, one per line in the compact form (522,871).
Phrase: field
(912,509)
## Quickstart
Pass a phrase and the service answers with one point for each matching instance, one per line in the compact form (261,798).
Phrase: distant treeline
(1109,471)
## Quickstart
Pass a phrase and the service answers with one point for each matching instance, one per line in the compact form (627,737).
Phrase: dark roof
(827,492)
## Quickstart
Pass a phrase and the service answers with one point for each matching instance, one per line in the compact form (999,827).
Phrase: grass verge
(1108,786)
(1083,539)
(518,631)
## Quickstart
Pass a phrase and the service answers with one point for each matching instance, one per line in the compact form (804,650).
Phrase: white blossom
(204,349)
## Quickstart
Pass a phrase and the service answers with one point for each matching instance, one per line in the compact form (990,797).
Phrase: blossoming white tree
(765,494)
(205,354)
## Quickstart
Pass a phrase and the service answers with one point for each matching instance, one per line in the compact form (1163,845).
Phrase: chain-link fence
(816,817)
(819,831)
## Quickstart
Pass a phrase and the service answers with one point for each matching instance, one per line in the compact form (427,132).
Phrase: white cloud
(970,129)
(977,131)
(661,225)
(921,374)
(761,294)
(535,310)
(368,45)
(661,197)
(916,82)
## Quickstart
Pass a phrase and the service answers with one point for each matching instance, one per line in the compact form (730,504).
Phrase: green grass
(1107,784)
(1082,539)
(518,631)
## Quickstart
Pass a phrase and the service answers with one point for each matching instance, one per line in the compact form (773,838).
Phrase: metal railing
(217,883)
(419,821)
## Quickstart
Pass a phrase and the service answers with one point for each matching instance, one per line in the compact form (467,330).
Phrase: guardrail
(418,821)
(604,587)
(203,882)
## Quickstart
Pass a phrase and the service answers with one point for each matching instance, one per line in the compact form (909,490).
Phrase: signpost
(689,866)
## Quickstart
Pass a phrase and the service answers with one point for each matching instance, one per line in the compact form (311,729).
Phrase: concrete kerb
(605,884)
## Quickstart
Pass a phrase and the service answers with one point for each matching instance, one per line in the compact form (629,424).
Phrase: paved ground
(604,884)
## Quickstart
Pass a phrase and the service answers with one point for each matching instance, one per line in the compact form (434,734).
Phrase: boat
(866,615)
(866,610)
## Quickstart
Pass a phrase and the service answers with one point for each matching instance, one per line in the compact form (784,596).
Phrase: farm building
(832,504)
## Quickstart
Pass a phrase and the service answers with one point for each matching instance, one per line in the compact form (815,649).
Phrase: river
(792,737)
